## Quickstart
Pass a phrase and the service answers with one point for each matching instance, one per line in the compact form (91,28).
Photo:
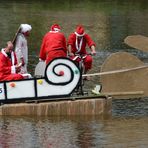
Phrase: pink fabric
(53,45)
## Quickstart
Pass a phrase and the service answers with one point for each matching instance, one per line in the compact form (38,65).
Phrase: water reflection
(53,132)
(73,132)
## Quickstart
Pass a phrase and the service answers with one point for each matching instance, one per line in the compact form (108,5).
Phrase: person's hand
(71,54)
(18,67)
(93,53)
(22,61)
(40,60)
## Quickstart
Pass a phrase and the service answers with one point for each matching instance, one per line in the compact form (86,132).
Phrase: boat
(60,79)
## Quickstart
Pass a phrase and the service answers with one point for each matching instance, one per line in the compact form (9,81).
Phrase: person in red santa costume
(77,43)
(8,64)
(53,44)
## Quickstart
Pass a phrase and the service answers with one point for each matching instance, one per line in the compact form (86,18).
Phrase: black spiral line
(60,83)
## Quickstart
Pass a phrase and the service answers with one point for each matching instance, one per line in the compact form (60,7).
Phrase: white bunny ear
(25,28)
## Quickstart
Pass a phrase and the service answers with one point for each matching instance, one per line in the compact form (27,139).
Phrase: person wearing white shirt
(21,47)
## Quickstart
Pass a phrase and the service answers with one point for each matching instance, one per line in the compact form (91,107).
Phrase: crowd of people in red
(54,44)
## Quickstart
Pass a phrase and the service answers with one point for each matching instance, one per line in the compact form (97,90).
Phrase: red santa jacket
(7,68)
(85,41)
(53,45)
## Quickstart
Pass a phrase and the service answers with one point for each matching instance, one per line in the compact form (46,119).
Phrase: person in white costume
(21,47)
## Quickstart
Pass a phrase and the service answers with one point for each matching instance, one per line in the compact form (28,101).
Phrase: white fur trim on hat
(80,35)
(25,28)
(56,29)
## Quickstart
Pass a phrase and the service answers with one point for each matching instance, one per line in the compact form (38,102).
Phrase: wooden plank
(78,107)
(124,93)
(73,98)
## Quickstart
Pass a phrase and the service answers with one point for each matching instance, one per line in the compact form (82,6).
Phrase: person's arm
(7,69)
(64,43)
(42,55)
(69,44)
(22,61)
(70,50)
(91,44)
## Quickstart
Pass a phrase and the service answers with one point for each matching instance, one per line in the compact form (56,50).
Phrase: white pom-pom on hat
(25,28)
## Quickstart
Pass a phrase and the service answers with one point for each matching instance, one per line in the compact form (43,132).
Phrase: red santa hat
(80,31)
(25,28)
(55,27)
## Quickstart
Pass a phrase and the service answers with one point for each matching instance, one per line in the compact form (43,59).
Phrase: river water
(108,23)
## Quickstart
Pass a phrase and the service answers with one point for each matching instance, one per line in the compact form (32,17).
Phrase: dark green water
(108,23)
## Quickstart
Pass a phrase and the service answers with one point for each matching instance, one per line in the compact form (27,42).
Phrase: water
(108,22)
(73,132)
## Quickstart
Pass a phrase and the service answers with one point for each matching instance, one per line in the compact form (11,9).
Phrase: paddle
(117,71)
(137,41)
(14,39)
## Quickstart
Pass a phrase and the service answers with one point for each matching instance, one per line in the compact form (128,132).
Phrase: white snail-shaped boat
(60,79)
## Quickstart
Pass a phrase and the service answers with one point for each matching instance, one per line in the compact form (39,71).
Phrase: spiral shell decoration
(62,71)
(61,77)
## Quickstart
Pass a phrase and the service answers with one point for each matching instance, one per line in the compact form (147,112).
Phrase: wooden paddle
(122,73)
(117,71)
(137,41)
(16,34)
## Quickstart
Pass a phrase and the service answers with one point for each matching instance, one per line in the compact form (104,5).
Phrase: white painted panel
(22,89)
(45,89)
(59,84)
(2,92)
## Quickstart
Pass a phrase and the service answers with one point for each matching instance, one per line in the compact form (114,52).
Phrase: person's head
(9,47)
(25,29)
(55,27)
(80,31)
